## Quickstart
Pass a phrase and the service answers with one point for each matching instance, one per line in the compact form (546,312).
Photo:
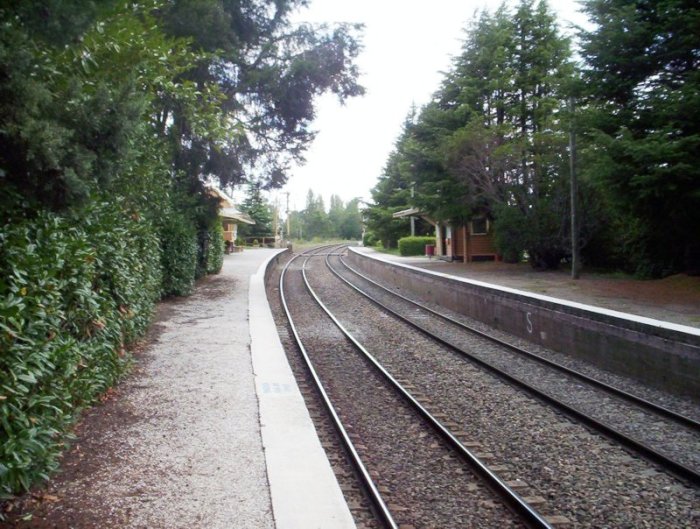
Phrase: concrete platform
(663,354)
(303,488)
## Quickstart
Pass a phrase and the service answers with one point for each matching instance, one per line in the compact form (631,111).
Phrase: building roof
(227,208)
(225,200)
(407,213)
(235,215)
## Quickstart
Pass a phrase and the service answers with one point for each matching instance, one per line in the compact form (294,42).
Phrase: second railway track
(569,471)
(666,437)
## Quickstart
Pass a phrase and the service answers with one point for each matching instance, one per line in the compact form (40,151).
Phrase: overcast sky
(407,44)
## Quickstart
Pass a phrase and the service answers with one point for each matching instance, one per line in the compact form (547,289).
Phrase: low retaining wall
(274,260)
(661,354)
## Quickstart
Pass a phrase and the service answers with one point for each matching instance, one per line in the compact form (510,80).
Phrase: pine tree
(643,81)
(494,139)
(315,219)
(258,208)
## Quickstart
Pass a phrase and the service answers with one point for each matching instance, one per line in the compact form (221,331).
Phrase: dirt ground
(34,510)
(674,299)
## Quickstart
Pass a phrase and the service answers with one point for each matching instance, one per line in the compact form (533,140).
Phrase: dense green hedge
(215,256)
(179,242)
(74,291)
(414,245)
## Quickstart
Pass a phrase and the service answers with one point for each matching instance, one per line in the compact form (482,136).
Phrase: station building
(472,241)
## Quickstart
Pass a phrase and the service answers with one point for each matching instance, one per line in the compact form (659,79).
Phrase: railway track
(416,471)
(570,474)
(672,441)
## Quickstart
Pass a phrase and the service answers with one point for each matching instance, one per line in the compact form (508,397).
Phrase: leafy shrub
(74,291)
(510,233)
(179,261)
(200,269)
(215,256)
(370,239)
(414,245)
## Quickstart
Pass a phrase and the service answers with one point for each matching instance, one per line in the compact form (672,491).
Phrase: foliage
(315,222)
(414,245)
(74,113)
(113,115)
(494,137)
(509,237)
(74,292)
(269,71)
(370,239)
(348,224)
(392,194)
(511,152)
(215,255)
(341,221)
(336,211)
(179,257)
(643,144)
(256,206)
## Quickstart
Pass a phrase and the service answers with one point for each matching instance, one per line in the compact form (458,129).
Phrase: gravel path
(178,443)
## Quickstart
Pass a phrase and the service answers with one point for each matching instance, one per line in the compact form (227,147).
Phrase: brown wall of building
(458,242)
(481,245)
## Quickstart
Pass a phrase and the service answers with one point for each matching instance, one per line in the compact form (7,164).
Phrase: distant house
(472,241)
(231,217)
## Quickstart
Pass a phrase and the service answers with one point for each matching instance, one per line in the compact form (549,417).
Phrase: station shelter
(472,241)
(231,217)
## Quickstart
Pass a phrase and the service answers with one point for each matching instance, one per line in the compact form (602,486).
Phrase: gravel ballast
(588,479)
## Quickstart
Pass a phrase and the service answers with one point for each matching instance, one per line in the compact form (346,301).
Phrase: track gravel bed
(665,435)
(423,482)
(683,405)
(579,474)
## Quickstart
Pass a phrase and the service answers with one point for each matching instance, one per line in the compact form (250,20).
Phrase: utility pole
(289,235)
(275,219)
(575,259)
(413,219)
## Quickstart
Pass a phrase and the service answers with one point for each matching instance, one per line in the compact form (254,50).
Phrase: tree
(269,73)
(314,218)
(258,208)
(68,124)
(392,194)
(642,64)
(112,115)
(513,75)
(336,214)
(494,135)
(351,225)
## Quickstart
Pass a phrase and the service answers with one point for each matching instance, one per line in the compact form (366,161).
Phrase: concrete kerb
(305,493)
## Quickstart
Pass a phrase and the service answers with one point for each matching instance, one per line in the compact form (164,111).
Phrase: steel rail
(675,467)
(639,401)
(528,514)
(385,515)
